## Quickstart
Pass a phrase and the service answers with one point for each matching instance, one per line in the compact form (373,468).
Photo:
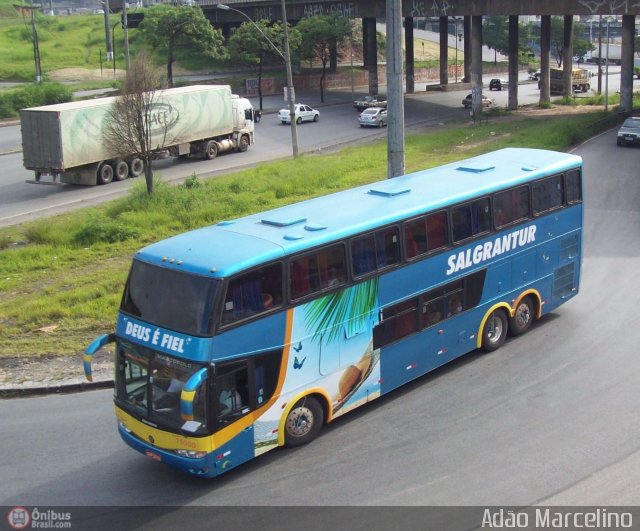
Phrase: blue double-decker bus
(253,333)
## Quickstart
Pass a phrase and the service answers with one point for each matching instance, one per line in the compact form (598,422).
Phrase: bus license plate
(153,455)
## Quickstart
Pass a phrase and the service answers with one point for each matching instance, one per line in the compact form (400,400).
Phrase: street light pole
(286,56)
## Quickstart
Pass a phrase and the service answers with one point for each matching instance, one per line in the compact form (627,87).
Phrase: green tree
(261,44)
(320,34)
(495,35)
(580,46)
(131,125)
(168,28)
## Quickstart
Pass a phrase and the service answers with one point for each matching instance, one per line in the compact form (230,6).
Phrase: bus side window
(547,194)
(232,392)
(437,231)
(253,293)
(375,251)
(415,237)
(314,272)
(397,321)
(511,206)
(572,187)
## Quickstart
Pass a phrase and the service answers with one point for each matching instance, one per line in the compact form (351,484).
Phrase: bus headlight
(124,427)
(191,454)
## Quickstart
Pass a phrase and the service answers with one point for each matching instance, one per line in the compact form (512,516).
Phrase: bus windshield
(150,385)
(172,299)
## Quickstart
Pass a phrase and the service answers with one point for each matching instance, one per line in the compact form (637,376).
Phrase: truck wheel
(298,120)
(316,117)
(136,167)
(120,170)
(211,150)
(243,144)
(105,173)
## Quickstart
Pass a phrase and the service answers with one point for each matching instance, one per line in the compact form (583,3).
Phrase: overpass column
(513,62)
(545,46)
(567,57)
(626,62)
(467,49)
(476,65)
(409,54)
(365,42)
(372,55)
(444,50)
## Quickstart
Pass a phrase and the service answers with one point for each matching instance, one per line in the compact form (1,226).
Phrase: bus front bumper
(197,466)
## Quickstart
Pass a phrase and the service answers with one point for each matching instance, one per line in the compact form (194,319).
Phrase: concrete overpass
(471,12)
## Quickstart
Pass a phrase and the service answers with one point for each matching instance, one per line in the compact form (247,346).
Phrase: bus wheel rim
(523,315)
(495,329)
(300,421)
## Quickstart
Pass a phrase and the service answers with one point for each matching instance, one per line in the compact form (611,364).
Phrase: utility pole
(395,99)
(126,36)
(107,28)
(290,92)
(36,47)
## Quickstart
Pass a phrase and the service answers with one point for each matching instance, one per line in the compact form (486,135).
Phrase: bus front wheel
(522,318)
(494,332)
(304,421)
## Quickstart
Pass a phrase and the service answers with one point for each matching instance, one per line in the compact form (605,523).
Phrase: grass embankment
(61,278)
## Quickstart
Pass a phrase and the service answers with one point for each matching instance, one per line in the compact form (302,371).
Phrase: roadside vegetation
(61,278)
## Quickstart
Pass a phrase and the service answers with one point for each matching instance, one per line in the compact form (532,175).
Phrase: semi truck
(614,54)
(66,141)
(579,80)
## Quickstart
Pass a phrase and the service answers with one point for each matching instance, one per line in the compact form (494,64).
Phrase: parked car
(303,113)
(373,117)
(486,102)
(498,84)
(535,76)
(369,101)
(629,132)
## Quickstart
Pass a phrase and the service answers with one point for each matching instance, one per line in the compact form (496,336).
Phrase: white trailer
(66,140)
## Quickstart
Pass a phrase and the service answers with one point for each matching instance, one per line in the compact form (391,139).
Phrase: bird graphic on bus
(298,364)
(299,347)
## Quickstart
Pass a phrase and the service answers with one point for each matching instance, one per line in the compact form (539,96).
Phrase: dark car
(498,84)
(629,132)
(369,101)
(467,102)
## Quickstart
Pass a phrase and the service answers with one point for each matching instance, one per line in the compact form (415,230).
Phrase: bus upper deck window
(253,293)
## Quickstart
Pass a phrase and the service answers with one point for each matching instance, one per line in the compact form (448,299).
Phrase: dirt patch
(72,75)
(48,371)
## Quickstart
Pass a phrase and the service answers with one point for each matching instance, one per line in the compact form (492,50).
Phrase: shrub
(101,229)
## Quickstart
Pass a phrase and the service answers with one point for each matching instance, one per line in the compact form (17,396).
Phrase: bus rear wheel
(304,421)
(494,332)
(522,318)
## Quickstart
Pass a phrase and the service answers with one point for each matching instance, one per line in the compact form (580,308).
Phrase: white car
(303,113)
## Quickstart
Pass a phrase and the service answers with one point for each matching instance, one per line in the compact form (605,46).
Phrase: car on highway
(498,84)
(373,117)
(535,76)
(303,113)
(467,101)
(369,101)
(629,132)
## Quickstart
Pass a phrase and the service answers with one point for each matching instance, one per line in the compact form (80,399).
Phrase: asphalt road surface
(551,417)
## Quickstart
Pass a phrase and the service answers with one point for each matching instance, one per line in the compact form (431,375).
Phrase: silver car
(373,117)
(629,132)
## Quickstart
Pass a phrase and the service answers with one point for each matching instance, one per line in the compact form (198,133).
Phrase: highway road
(551,417)
(338,125)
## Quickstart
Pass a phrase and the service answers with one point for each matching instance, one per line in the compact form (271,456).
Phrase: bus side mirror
(188,393)
(94,347)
